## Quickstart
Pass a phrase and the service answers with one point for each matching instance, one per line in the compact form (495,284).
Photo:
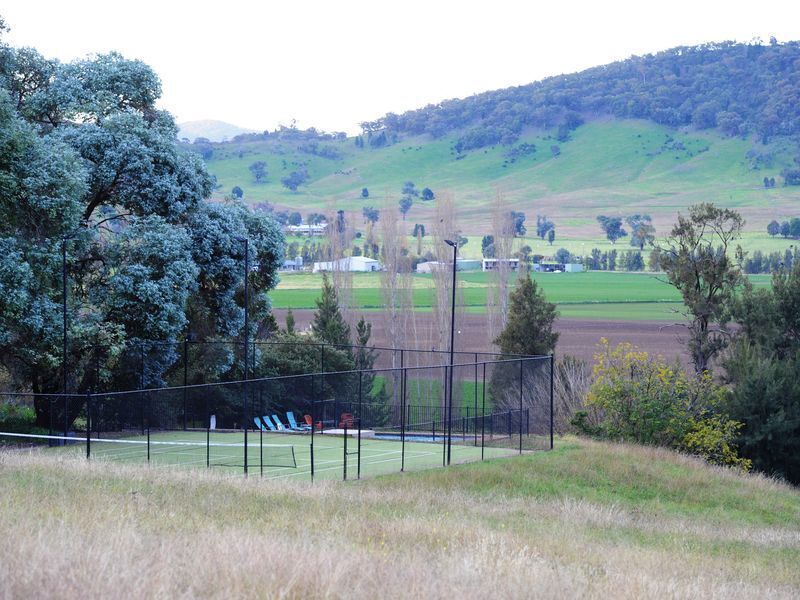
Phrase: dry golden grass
(588,520)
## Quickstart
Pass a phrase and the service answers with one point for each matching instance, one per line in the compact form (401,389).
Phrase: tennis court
(395,419)
(270,455)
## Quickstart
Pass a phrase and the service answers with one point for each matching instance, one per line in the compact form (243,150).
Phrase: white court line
(373,462)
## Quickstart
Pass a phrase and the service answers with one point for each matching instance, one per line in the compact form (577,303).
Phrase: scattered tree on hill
(315,218)
(409,189)
(259,170)
(419,233)
(427,194)
(794,227)
(612,227)
(405,205)
(543,225)
(295,179)
(696,261)
(295,218)
(774,228)
(791,176)
(518,223)
(237,192)
(364,193)
(487,246)
(642,230)
(371,215)
(551,236)
(562,256)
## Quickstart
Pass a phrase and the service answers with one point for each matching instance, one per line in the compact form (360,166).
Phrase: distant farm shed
(354,264)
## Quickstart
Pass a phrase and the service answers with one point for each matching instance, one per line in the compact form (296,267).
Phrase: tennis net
(171,452)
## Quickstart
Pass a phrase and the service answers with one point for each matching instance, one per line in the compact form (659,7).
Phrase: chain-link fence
(396,416)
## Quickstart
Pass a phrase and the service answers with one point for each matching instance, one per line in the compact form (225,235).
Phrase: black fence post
(403,385)
(208,433)
(149,417)
(483,413)
(344,461)
(88,425)
(359,450)
(185,381)
(313,427)
(552,375)
(520,406)
(475,407)
(360,385)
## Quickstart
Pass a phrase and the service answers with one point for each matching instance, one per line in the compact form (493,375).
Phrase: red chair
(346,421)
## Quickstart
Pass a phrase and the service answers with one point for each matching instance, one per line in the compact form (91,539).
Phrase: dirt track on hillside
(578,337)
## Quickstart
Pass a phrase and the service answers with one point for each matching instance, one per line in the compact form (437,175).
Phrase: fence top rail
(521,360)
(141,343)
(41,395)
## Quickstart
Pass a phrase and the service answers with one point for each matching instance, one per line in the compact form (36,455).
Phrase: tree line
(97,196)
(734,87)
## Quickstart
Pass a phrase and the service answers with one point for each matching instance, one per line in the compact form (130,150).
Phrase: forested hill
(737,88)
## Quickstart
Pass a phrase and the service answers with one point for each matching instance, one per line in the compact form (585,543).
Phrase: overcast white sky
(335,63)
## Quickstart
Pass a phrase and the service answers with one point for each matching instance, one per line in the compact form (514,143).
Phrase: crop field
(600,295)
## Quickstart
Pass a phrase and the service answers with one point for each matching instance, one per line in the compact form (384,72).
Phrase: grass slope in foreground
(588,519)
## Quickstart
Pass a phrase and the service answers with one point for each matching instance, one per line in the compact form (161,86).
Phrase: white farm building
(354,264)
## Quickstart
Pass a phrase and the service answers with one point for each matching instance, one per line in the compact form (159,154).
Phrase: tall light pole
(64,241)
(246,243)
(454,246)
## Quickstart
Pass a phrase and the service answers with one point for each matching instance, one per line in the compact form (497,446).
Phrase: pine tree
(365,357)
(289,321)
(530,321)
(329,325)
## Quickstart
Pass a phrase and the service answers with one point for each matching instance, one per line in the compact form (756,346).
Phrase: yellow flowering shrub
(641,399)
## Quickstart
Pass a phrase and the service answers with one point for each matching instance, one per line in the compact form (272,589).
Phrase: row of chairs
(274,423)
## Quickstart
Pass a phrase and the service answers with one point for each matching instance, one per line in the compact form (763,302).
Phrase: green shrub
(640,399)
(16,419)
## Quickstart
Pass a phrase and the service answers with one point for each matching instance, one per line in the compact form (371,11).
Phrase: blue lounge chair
(278,424)
(259,423)
(268,421)
(293,424)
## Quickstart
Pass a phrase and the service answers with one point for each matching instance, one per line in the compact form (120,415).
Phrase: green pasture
(599,295)
(607,167)
(268,454)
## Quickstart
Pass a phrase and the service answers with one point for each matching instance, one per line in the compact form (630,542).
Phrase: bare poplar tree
(339,234)
(396,290)
(498,286)
(444,228)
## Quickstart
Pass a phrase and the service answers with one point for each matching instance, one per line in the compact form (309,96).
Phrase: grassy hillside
(607,167)
(587,519)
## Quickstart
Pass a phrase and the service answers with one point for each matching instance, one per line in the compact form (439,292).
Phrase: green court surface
(286,456)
